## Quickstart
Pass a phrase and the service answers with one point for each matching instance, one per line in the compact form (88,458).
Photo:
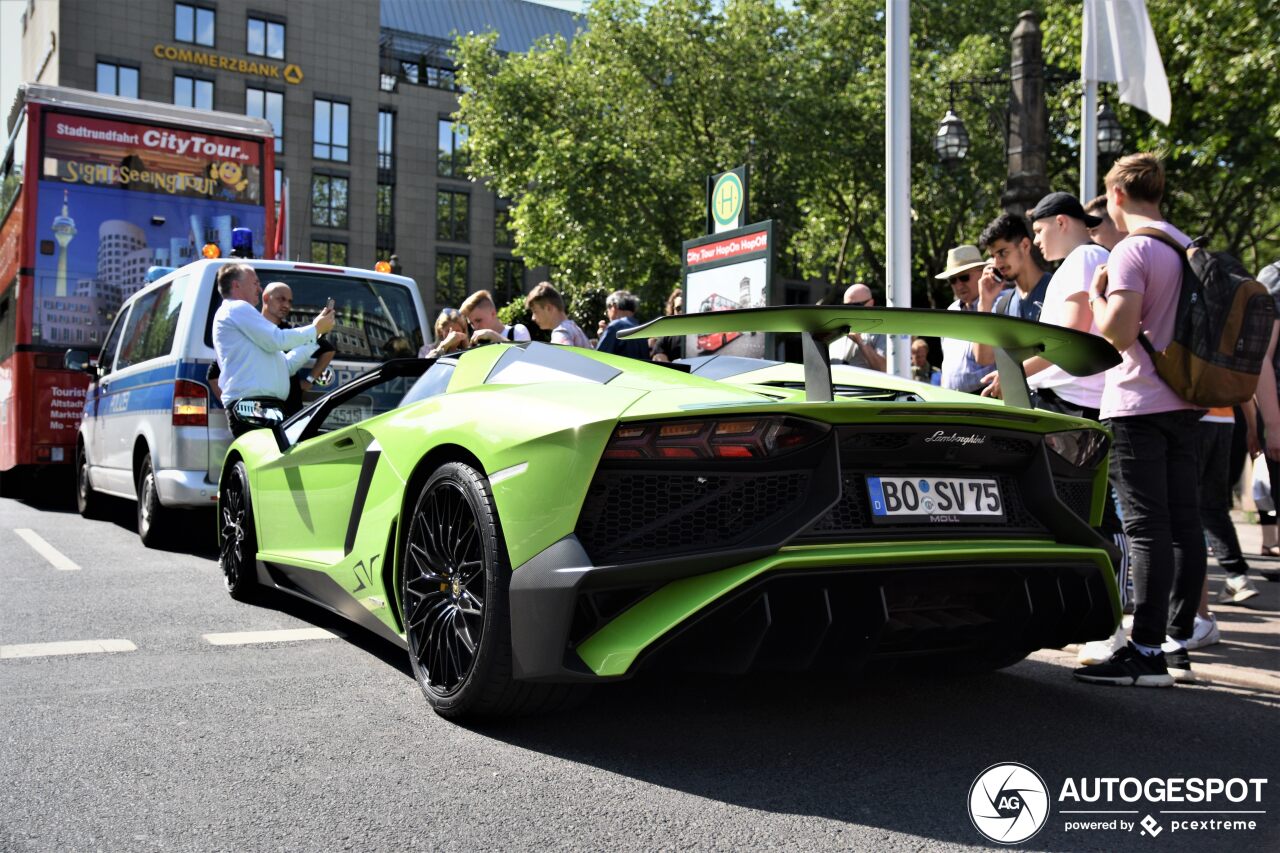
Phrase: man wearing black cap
(1061,230)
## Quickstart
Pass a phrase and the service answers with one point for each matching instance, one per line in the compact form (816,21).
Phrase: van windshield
(375,320)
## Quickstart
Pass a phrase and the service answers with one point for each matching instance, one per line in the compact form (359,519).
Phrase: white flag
(1119,46)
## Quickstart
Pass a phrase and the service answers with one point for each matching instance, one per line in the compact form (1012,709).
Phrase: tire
(454,585)
(88,502)
(237,542)
(13,483)
(151,513)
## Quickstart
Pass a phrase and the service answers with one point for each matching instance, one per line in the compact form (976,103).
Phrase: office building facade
(360,93)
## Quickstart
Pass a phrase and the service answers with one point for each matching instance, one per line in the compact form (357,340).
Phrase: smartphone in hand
(330,305)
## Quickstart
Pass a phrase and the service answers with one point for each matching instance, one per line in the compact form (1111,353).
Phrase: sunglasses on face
(963,277)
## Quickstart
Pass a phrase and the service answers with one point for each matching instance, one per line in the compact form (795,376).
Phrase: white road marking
(73,647)
(286,635)
(55,557)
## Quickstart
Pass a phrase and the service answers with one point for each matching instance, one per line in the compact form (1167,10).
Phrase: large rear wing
(1014,339)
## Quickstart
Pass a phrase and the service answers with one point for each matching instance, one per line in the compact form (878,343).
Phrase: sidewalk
(1249,654)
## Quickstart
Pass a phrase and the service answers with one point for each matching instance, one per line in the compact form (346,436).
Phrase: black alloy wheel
(454,587)
(445,581)
(237,544)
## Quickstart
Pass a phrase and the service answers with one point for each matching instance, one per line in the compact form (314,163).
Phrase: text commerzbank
(289,73)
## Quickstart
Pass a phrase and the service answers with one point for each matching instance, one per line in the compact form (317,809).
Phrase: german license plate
(934,500)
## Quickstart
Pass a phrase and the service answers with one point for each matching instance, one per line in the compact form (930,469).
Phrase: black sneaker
(1178,662)
(1129,668)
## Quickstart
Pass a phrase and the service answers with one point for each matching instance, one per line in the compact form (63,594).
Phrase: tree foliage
(603,145)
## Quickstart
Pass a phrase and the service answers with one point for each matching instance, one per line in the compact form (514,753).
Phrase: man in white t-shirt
(1061,230)
(547,307)
(481,312)
(1062,233)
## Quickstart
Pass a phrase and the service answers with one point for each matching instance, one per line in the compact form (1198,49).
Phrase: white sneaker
(1205,634)
(1100,651)
(1237,589)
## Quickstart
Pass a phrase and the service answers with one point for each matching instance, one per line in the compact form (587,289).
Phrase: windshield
(374,320)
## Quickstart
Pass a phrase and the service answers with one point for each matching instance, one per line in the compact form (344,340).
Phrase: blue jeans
(1155,471)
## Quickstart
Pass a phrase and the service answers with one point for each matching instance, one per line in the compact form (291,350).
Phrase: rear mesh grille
(1076,494)
(649,514)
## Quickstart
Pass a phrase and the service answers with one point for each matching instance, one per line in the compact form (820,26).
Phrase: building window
(117,80)
(387,82)
(329,201)
(279,176)
(452,215)
(451,279)
(410,71)
(193,24)
(504,235)
(190,92)
(329,252)
(260,103)
(386,140)
(332,120)
(451,161)
(442,78)
(508,280)
(266,38)
(386,216)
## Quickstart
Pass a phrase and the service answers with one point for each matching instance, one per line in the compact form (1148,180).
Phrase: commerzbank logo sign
(1009,803)
(222,62)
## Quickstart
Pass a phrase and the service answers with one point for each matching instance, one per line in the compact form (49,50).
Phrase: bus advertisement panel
(116,198)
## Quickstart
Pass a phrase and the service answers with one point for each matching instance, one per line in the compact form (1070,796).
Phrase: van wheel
(88,502)
(151,515)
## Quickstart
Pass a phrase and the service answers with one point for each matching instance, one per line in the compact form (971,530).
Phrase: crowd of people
(1172,466)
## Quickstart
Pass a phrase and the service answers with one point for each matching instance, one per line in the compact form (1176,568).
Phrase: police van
(153,431)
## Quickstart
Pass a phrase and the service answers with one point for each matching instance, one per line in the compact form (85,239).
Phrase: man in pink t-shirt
(1154,458)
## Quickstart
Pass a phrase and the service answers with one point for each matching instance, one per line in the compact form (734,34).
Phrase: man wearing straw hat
(960,370)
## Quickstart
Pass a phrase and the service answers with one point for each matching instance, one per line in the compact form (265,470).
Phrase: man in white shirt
(481,312)
(855,349)
(251,349)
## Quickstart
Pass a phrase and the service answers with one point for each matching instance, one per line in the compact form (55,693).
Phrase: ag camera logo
(1008,803)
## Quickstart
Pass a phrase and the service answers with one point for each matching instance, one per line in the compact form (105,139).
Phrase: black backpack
(1221,329)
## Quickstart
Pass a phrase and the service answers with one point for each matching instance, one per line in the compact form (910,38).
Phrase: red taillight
(190,403)
(740,438)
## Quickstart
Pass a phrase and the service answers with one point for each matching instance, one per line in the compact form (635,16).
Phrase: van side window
(152,324)
(107,357)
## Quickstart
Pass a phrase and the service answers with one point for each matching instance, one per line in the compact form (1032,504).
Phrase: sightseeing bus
(96,191)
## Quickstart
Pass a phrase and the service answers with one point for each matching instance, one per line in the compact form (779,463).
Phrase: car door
(125,395)
(305,496)
(98,403)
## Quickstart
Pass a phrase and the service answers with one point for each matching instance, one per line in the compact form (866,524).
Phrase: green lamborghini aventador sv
(524,518)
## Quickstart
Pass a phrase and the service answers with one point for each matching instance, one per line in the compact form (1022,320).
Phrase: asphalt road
(327,744)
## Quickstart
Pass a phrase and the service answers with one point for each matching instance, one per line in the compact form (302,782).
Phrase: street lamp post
(1025,123)
(1028,140)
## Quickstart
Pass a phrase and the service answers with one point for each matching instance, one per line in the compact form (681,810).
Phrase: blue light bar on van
(157,273)
(241,243)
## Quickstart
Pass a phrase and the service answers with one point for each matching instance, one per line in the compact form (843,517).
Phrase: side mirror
(79,361)
(263,416)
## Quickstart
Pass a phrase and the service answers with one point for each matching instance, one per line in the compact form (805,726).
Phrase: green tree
(604,146)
